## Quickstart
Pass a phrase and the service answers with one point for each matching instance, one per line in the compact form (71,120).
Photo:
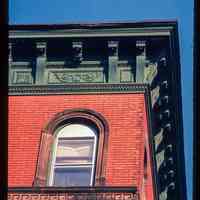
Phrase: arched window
(73,150)
(74,156)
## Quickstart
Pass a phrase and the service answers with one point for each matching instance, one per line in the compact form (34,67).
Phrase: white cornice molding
(115,32)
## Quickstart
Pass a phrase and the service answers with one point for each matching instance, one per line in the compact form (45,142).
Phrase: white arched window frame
(85,137)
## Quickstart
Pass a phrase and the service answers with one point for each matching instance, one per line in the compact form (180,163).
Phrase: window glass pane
(72,176)
(74,151)
(76,130)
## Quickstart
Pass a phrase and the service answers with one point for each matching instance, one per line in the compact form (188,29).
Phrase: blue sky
(47,11)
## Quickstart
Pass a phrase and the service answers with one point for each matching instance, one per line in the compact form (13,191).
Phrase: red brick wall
(125,114)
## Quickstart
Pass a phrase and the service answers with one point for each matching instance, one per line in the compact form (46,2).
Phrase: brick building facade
(95,112)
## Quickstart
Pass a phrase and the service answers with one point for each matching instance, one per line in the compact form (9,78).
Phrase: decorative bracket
(41,49)
(113,48)
(113,61)
(140,60)
(77,51)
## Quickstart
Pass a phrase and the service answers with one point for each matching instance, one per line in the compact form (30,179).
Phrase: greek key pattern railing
(95,193)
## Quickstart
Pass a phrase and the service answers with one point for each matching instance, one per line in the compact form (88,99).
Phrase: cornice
(112,29)
(68,33)
(96,24)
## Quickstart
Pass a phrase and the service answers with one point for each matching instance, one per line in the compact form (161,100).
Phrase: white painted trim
(163,31)
(86,132)
(93,160)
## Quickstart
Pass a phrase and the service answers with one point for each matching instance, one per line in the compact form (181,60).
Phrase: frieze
(60,77)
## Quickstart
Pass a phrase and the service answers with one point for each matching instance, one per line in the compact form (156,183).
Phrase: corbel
(163,101)
(113,75)
(169,162)
(163,61)
(168,127)
(168,157)
(41,57)
(169,149)
(169,176)
(164,85)
(77,51)
(164,115)
(140,60)
(170,190)
(164,132)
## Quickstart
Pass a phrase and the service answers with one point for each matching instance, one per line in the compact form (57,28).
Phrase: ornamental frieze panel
(22,77)
(61,77)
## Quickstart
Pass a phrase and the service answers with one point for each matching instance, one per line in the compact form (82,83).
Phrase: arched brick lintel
(48,135)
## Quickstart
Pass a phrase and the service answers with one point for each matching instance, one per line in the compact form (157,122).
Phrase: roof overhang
(122,29)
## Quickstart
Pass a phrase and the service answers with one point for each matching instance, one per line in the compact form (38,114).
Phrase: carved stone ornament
(163,195)
(155,93)
(141,45)
(158,138)
(113,48)
(77,51)
(150,72)
(41,49)
(56,77)
(160,157)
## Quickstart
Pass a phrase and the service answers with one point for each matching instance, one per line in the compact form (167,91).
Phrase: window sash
(70,176)
(74,151)
(91,164)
